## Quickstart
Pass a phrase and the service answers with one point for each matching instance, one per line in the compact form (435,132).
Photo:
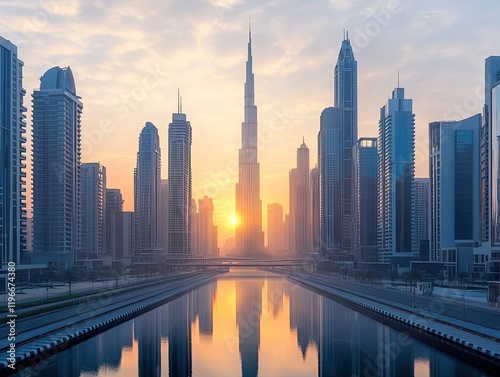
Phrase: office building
(12,157)
(454,172)
(302,201)
(422,206)
(396,179)
(207,231)
(346,99)
(113,215)
(164,215)
(315,212)
(329,165)
(365,200)
(179,185)
(492,119)
(275,229)
(93,199)
(292,207)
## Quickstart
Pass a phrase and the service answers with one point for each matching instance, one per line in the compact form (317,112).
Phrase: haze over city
(129,62)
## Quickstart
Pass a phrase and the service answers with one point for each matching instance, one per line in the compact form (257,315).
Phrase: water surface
(245,326)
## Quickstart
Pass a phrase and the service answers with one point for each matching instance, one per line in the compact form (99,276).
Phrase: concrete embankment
(452,334)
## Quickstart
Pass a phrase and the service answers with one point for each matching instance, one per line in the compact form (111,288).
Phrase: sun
(234,220)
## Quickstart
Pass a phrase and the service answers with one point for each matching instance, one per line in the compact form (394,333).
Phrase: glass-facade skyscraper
(346,99)
(56,166)
(179,185)
(396,176)
(93,199)
(147,196)
(330,179)
(12,156)
(365,200)
(492,104)
(454,171)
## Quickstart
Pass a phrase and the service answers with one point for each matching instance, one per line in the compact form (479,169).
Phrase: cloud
(200,47)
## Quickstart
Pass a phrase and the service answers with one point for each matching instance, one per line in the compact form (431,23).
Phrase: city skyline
(293,73)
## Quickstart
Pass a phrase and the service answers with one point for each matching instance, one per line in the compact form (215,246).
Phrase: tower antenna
(178,101)
(398,78)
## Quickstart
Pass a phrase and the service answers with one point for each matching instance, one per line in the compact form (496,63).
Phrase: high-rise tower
(491,121)
(56,166)
(249,235)
(147,196)
(396,178)
(365,200)
(179,185)
(346,99)
(302,198)
(93,200)
(454,171)
(330,173)
(12,156)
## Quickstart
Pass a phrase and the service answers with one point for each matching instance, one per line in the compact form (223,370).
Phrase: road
(484,316)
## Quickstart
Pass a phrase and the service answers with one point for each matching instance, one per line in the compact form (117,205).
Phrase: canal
(249,323)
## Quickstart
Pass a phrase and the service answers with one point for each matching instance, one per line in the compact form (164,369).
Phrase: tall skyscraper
(365,200)
(396,178)
(56,166)
(489,152)
(206,229)
(315,206)
(113,216)
(147,197)
(454,171)
(164,215)
(302,203)
(329,165)
(422,206)
(93,199)
(179,184)
(249,235)
(193,233)
(12,156)
(275,229)
(346,99)
(125,237)
(292,207)
(492,121)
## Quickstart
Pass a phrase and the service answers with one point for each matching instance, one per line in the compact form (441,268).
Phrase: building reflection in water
(347,343)
(146,331)
(203,299)
(304,317)
(178,321)
(248,312)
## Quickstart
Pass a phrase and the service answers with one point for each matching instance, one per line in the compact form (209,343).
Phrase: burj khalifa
(249,235)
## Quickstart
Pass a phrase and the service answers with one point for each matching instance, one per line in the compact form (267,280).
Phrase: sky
(130,58)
